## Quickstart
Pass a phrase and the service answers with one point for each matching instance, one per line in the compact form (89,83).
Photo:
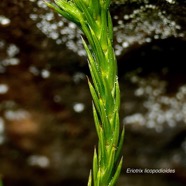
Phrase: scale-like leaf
(88,14)
(109,102)
(116,128)
(90,179)
(120,145)
(110,164)
(95,97)
(117,96)
(95,167)
(95,7)
(94,70)
(70,8)
(98,52)
(63,13)
(116,175)
(110,27)
(104,32)
(111,65)
(98,127)
(104,119)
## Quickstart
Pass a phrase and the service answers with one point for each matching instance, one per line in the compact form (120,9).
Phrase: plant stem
(93,18)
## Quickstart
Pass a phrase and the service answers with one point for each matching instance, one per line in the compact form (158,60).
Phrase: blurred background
(47,133)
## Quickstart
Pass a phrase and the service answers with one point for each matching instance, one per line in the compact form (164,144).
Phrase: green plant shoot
(93,18)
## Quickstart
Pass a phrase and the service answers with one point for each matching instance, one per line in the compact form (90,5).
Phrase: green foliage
(93,18)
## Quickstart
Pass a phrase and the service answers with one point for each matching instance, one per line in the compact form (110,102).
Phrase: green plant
(93,18)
